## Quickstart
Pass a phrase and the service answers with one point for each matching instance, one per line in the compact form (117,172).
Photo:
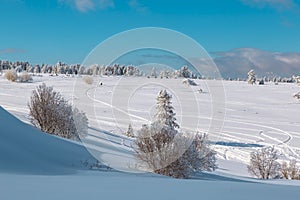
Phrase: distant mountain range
(237,62)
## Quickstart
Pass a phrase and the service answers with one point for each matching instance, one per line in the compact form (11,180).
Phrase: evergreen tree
(129,132)
(251,77)
(165,112)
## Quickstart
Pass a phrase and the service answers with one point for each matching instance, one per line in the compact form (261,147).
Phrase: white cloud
(279,5)
(11,50)
(84,5)
(87,5)
(137,6)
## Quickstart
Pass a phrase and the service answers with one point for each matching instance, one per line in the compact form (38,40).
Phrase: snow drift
(26,150)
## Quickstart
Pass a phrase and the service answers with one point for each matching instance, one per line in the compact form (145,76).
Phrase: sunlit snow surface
(256,116)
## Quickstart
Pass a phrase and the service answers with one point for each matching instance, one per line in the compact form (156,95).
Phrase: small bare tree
(51,113)
(263,163)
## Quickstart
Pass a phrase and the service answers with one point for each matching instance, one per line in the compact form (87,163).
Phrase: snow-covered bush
(81,123)
(179,158)
(290,171)
(297,95)
(261,82)
(164,150)
(51,113)
(263,163)
(11,75)
(24,77)
(189,82)
(251,77)
(88,80)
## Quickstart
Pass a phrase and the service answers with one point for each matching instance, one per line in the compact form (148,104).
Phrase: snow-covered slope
(26,150)
(35,165)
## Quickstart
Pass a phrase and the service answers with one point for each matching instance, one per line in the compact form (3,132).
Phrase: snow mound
(189,82)
(26,150)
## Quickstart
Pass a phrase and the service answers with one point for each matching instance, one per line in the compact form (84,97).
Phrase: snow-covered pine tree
(129,132)
(185,72)
(165,112)
(153,73)
(251,77)
(297,79)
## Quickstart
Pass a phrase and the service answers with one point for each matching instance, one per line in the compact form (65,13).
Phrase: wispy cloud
(137,6)
(11,50)
(87,5)
(106,4)
(84,5)
(279,5)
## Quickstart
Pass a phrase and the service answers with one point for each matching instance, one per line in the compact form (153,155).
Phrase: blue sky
(45,31)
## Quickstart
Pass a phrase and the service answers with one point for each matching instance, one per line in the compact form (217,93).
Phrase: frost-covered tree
(165,114)
(263,163)
(185,72)
(164,150)
(51,113)
(251,77)
(297,79)
(129,132)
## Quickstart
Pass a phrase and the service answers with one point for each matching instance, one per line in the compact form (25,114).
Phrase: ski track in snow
(235,153)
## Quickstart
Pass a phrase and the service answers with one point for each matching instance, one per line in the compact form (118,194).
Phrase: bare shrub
(166,152)
(24,77)
(290,171)
(88,80)
(51,113)
(11,75)
(263,163)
